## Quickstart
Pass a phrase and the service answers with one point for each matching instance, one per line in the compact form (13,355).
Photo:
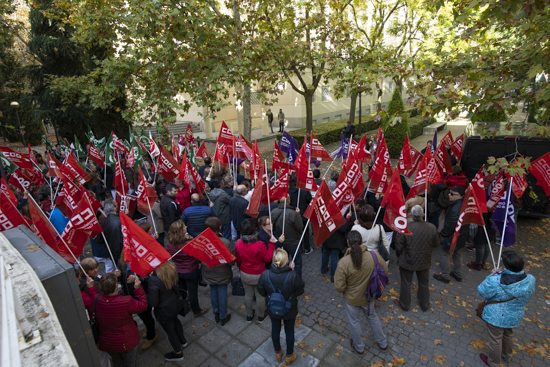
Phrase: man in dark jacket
(300,198)
(206,165)
(349,130)
(293,227)
(169,208)
(415,255)
(456,196)
(221,204)
(237,208)
(335,244)
(113,232)
(269,115)
(196,214)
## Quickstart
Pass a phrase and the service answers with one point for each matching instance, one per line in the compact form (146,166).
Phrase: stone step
(431,129)
(177,128)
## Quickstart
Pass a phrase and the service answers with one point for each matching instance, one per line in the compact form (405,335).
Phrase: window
(254,100)
(324,94)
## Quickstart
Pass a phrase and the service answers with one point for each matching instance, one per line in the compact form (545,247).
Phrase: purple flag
(498,219)
(434,141)
(342,150)
(288,145)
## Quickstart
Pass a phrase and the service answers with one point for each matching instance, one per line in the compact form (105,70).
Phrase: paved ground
(446,335)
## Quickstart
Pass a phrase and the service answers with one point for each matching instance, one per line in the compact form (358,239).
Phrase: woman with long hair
(251,256)
(352,279)
(187,266)
(163,296)
(371,234)
(280,278)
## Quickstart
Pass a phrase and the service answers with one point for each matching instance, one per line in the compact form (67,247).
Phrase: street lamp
(15,106)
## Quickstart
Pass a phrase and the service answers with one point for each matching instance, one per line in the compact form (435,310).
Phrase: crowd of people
(268,249)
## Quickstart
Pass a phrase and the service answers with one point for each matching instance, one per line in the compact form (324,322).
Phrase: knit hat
(458,189)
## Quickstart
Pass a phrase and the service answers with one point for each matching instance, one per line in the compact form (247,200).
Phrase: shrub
(489,115)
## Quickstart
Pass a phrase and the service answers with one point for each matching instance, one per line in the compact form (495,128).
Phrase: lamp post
(15,106)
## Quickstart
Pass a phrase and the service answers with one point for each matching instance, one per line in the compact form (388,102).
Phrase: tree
(395,127)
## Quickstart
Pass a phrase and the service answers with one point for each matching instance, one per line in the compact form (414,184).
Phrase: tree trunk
(379,93)
(308,97)
(352,107)
(247,120)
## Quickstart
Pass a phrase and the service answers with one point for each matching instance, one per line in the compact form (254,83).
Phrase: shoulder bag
(93,322)
(381,248)
(481,306)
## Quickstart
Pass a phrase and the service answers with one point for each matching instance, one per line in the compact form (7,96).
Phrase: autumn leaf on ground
(337,354)
(241,306)
(341,339)
(397,361)
(340,348)
(447,326)
(394,293)
(439,359)
(304,354)
(383,299)
(320,345)
(451,313)
(326,279)
(45,314)
(478,344)
(387,319)
(378,364)
(462,364)
(32,248)
(424,358)
(437,342)
(339,306)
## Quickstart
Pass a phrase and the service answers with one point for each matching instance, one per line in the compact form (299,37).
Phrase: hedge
(329,132)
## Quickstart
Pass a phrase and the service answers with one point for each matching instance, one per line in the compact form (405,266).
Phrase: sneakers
(289,359)
(441,279)
(226,320)
(473,265)
(458,279)
(471,248)
(204,310)
(149,343)
(355,350)
(184,345)
(249,318)
(173,357)
(261,319)
(307,252)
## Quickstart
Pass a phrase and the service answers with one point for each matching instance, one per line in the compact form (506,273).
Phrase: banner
(279,189)
(208,248)
(442,159)
(324,215)
(200,185)
(82,223)
(202,152)
(153,148)
(189,138)
(96,156)
(304,174)
(479,190)
(167,165)
(256,164)
(288,145)
(141,251)
(20,180)
(427,173)
(146,195)
(540,168)
(395,214)
(7,191)
(499,216)
(381,170)
(519,182)
(74,170)
(9,167)
(118,143)
(21,160)
(405,159)
(225,136)
(457,147)
(416,158)
(470,212)
(10,217)
(496,193)
(317,151)
(256,199)
(363,155)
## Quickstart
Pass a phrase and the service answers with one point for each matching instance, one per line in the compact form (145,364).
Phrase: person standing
(415,255)
(333,246)
(183,195)
(237,207)
(113,233)
(169,210)
(269,115)
(281,118)
(507,293)
(281,278)
(195,215)
(221,204)
(456,196)
(300,198)
(293,227)
(352,280)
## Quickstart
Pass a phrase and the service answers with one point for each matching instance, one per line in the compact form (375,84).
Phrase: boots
(289,359)
(149,343)
(279,355)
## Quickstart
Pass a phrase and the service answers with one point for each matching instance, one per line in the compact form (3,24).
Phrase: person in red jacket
(183,197)
(118,332)
(252,255)
(457,178)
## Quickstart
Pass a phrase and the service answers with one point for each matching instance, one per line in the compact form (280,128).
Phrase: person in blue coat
(510,290)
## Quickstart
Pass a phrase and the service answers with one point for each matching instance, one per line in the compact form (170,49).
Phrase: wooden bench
(430,129)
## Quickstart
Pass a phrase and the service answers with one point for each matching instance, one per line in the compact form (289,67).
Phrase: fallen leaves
(387,319)
(32,248)
(206,324)
(452,314)
(304,354)
(340,348)
(397,361)
(437,342)
(45,314)
(394,293)
(424,358)
(478,344)
(320,345)
(439,359)
(378,364)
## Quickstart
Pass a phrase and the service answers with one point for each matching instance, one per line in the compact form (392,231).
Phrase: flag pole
(284,212)
(426,201)
(104,238)
(374,223)
(328,169)
(151,211)
(268,198)
(489,244)
(301,238)
(505,222)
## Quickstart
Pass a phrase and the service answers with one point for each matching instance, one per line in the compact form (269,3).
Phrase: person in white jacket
(370,234)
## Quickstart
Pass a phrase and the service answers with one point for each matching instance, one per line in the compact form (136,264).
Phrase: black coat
(293,288)
(305,199)
(451,218)
(165,301)
(170,211)
(113,233)
(337,240)
(237,208)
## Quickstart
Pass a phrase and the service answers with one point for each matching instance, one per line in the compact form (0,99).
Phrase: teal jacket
(502,287)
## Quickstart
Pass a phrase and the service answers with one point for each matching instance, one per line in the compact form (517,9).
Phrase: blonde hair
(176,236)
(168,274)
(280,258)
(88,264)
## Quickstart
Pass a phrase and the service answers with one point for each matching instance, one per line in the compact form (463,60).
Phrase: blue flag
(288,145)
(342,150)
(508,233)
(434,141)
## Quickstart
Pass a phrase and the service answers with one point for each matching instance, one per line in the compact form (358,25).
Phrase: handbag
(381,248)
(185,305)
(201,281)
(238,287)
(93,322)
(481,306)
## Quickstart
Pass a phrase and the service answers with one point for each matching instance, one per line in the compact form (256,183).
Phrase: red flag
(353,174)
(74,170)
(129,203)
(220,155)
(130,160)
(82,223)
(226,136)
(96,205)
(479,190)
(405,159)
(202,152)
(7,191)
(457,147)
(184,173)
(427,173)
(118,144)
(363,155)
(317,152)
(541,170)
(469,213)
(242,150)
(496,193)
(53,166)
(199,183)
(10,217)
(442,159)
(256,199)
(416,158)
(519,183)
(31,155)
(342,194)
(395,214)
(324,214)
(176,147)
(256,167)
(68,197)
(20,180)
(189,138)
(146,195)
(21,160)
(35,175)
(167,165)
(46,231)
(279,189)
(304,174)
(153,148)
(141,146)
(447,139)
(141,250)
(96,156)
(381,170)
(208,248)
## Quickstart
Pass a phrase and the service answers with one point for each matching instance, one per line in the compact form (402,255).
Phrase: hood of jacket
(515,284)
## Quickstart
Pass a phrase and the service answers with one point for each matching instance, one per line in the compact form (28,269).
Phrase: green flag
(110,152)
(90,135)
(9,167)
(144,138)
(138,153)
(78,148)
(99,144)
(46,141)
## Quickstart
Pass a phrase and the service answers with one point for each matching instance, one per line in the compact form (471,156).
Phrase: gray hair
(109,208)
(240,190)
(417,212)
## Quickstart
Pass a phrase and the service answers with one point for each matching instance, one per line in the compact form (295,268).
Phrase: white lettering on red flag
(208,248)
(541,170)
(324,214)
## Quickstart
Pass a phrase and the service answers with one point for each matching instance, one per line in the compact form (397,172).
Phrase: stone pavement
(449,334)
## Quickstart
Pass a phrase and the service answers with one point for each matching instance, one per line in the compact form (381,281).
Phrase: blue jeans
(276,334)
(297,261)
(226,231)
(333,254)
(218,298)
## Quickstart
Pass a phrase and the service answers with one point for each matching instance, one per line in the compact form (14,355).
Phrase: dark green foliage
(395,135)
(490,115)
(396,104)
